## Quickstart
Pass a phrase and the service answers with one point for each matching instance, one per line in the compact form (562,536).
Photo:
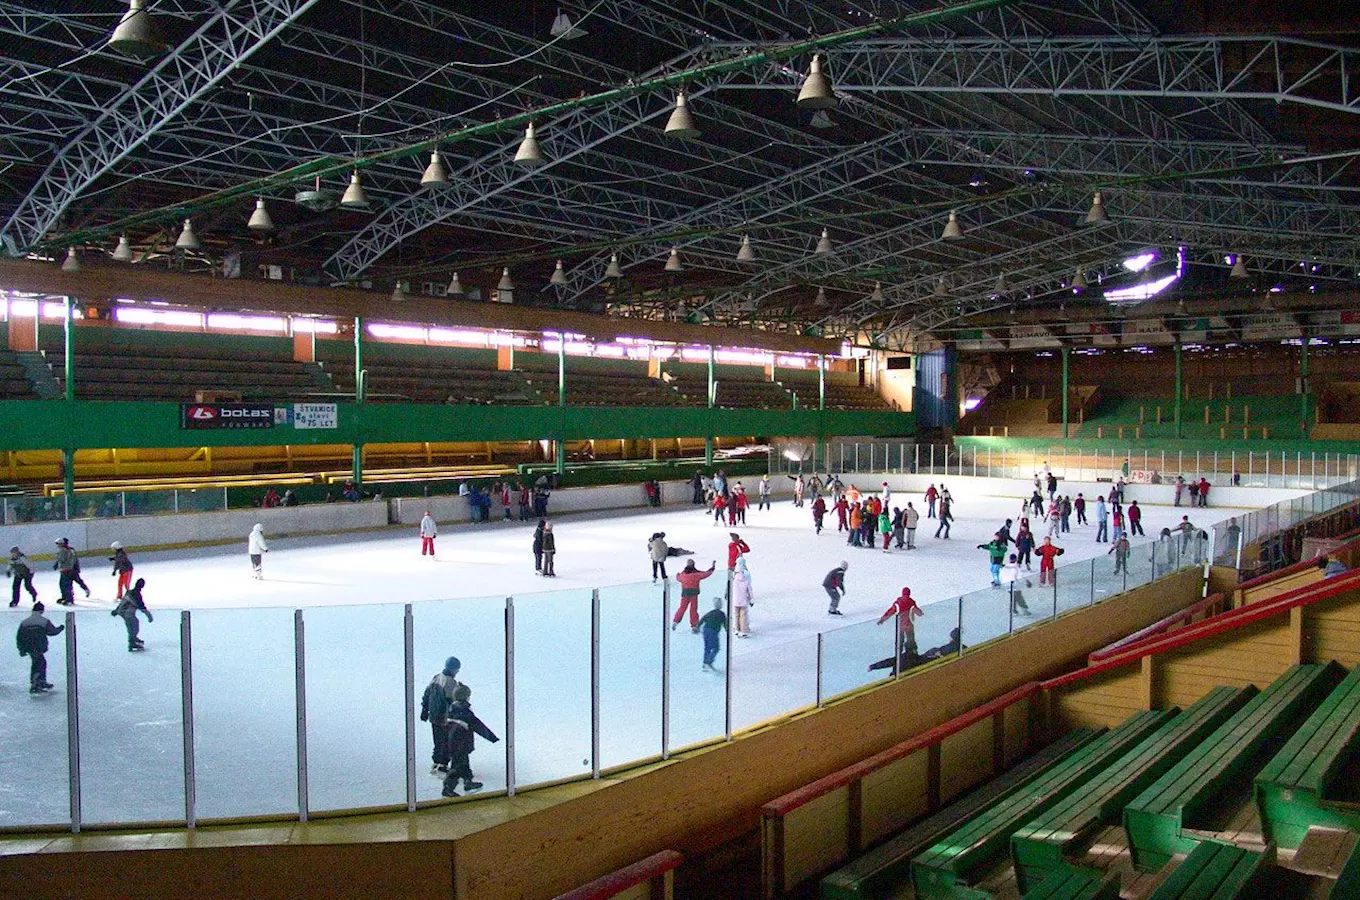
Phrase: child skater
(463,724)
(122,568)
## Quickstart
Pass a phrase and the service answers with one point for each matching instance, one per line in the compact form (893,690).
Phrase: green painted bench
(943,869)
(1153,819)
(1039,847)
(1071,883)
(1212,871)
(1290,790)
(1347,885)
(878,873)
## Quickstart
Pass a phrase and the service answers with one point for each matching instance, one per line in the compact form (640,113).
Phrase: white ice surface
(352,590)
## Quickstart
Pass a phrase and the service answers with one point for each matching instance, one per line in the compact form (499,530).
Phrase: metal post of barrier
(727,665)
(820,661)
(1010,608)
(73,722)
(408,627)
(960,627)
(509,696)
(666,664)
(595,683)
(300,698)
(932,459)
(186,696)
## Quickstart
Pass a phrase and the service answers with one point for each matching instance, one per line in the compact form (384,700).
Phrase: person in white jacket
(256,547)
(741,598)
(428,532)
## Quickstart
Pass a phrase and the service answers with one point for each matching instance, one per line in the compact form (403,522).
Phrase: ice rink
(352,590)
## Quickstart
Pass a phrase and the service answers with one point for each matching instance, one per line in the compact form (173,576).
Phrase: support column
(560,464)
(1066,419)
(712,396)
(68,454)
(1180,391)
(1303,385)
(821,412)
(357,460)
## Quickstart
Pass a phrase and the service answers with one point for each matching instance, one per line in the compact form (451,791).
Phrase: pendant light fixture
(137,35)
(816,92)
(529,155)
(187,240)
(952,231)
(745,254)
(673,261)
(72,262)
(259,219)
(824,245)
(681,125)
(435,174)
(354,197)
(1239,269)
(455,288)
(563,27)
(401,291)
(821,300)
(506,283)
(1002,286)
(1078,282)
(876,295)
(559,274)
(1097,214)
(612,270)
(123,252)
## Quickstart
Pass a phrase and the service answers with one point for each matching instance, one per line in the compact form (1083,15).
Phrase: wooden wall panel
(1281,586)
(1100,702)
(1331,631)
(893,796)
(1019,722)
(1258,654)
(965,760)
(816,836)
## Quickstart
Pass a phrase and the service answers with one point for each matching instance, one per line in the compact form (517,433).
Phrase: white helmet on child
(115,546)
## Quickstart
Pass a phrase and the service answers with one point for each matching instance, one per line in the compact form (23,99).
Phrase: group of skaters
(510,498)
(31,638)
(447,706)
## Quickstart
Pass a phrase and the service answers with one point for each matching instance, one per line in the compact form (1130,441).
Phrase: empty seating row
(390,379)
(592,389)
(14,383)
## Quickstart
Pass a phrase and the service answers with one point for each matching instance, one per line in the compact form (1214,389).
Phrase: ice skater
(463,725)
(834,585)
(743,598)
(549,550)
(1102,521)
(1079,507)
(129,604)
(32,640)
(689,579)
(818,512)
(122,568)
(1010,574)
(65,564)
(1135,517)
(256,547)
(909,519)
(434,708)
(842,508)
(996,552)
(719,509)
(946,517)
(763,492)
(885,527)
(658,551)
(905,610)
(931,496)
(21,572)
(714,621)
(538,545)
(1186,530)
(1024,545)
(736,548)
(428,532)
(736,512)
(1120,549)
(1048,552)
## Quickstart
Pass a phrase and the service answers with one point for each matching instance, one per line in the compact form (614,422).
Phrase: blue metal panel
(933,399)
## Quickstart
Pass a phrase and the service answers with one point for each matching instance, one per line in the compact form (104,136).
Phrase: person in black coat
(538,545)
(696,484)
(32,641)
(128,607)
(463,724)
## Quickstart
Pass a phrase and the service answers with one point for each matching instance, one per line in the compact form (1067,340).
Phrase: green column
(1180,391)
(712,395)
(560,461)
(357,449)
(1066,354)
(1303,384)
(821,411)
(68,454)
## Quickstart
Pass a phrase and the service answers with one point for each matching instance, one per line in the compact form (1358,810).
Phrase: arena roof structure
(945,164)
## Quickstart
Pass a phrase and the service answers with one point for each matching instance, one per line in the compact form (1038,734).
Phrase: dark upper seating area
(14,384)
(841,392)
(596,389)
(736,389)
(432,380)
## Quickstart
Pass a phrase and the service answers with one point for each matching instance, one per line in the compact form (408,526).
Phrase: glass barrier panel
(149,503)
(853,656)
(245,740)
(201,500)
(769,680)
(101,505)
(34,765)
(131,713)
(1140,570)
(356,706)
(986,613)
(631,632)
(698,698)
(1074,584)
(936,633)
(552,685)
(473,631)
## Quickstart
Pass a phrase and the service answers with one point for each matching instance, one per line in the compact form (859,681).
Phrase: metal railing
(25,509)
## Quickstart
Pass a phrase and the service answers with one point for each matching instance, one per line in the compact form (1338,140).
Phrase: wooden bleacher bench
(1213,871)
(944,868)
(874,874)
(1154,819)
(1347,885)
(1072,883)
(1038,848)
(1290,790)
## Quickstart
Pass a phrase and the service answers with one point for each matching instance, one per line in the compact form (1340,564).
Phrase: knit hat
(452,665)
(38,606)
(906,593)
(844,564)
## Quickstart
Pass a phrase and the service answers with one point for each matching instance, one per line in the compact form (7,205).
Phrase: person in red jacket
(818,512)
(739,503)
(906,611)
(842,507)
(719,507)
(1047,552)
(1203,491)
(735,548)
(931,496)
(689,579)
(1135,517)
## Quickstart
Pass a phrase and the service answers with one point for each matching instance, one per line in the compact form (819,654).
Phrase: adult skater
(1180,487)
(885,495)
(931,496)
(463,724)
(1135,517)
(736,507)
(905,610)
(122,568)
(21,572)
(549,550)
(996,553)
(763,492)
(818,512)
(834,585)
(32,641)
(1004,532)
(1187,531)
(256,548)
(1079,507)
(1065,510)
(1193,488)
(696,486)
(65,564)
(714,621)
(736,547)
(1052,485)
(910,517)
(434,708)
(1048,552)
(128,606)
(538,545)
(1024,545)
(1203,491)
(525,502)
(842,508)
(428,532)
(946,517)
(743,598)
(1010,575)
(658,551)
(1036,503)
(799,485)
(1102,521)
(689,579)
